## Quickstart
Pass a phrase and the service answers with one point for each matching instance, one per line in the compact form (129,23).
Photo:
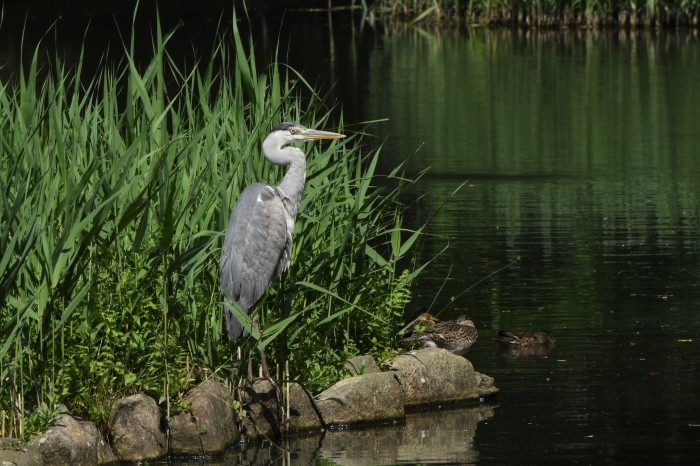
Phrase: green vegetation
(545,13)
(115,191)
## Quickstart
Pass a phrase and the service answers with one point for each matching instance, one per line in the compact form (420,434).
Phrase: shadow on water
(441,436)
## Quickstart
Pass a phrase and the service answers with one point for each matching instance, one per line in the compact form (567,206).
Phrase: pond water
(564,182)
(569,169)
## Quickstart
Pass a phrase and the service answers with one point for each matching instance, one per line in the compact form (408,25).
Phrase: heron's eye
(293,131)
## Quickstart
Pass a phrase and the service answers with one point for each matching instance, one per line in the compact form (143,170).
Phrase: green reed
(115,191)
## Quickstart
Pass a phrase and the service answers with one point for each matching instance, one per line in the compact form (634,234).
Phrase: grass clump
(115,191)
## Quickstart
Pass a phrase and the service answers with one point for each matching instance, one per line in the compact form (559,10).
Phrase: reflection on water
(519,352)
(578,159)
(441,436)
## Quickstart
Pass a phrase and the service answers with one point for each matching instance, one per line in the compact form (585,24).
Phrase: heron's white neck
(292,184)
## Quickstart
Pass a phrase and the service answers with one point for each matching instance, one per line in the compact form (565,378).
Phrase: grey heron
(258,243)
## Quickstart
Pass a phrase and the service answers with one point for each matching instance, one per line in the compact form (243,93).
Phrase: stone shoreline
(210,425)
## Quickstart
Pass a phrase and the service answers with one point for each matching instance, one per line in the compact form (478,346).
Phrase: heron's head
(287,133)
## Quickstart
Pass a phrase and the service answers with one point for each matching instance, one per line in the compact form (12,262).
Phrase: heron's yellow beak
(309,134)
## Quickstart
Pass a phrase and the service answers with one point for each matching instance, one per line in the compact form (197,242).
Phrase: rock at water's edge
(374,397)
(434,375)
(262,404)
(71,442)
(136,429)
(12,452)
(209,427)
(359,365)
(485,385)
(302,413)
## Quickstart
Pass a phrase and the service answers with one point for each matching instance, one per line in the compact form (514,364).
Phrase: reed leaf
(114,193)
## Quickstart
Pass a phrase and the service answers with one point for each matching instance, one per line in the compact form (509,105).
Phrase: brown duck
(419,324)
(524,339)
(456,336)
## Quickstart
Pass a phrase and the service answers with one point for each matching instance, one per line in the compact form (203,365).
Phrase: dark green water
(569,169)
(572,160)
(565,172)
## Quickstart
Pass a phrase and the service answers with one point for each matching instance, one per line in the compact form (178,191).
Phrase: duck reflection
(514,345)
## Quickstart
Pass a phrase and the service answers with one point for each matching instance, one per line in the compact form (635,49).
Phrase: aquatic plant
(114,193)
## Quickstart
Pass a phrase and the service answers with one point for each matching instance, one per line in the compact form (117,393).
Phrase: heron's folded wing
(255,244)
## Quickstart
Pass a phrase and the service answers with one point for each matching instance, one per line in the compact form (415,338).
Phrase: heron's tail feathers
(234,327)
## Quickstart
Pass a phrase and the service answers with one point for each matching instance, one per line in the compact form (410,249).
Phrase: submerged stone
(444,436)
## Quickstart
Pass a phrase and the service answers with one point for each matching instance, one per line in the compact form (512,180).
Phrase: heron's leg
(256,332)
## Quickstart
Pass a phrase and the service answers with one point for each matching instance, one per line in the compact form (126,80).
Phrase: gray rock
(208,428)
(71,442)
(13,453)
(374,397)
(485,385)
(302,413)
(361,365)
(105,455)
(136,429)
(263,410)
(434,375)
(184,435)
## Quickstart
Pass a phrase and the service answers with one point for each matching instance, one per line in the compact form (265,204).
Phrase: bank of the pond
(213,417)
(568,14)
(116,188)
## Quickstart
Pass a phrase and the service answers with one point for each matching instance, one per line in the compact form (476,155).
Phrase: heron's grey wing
(256,249)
